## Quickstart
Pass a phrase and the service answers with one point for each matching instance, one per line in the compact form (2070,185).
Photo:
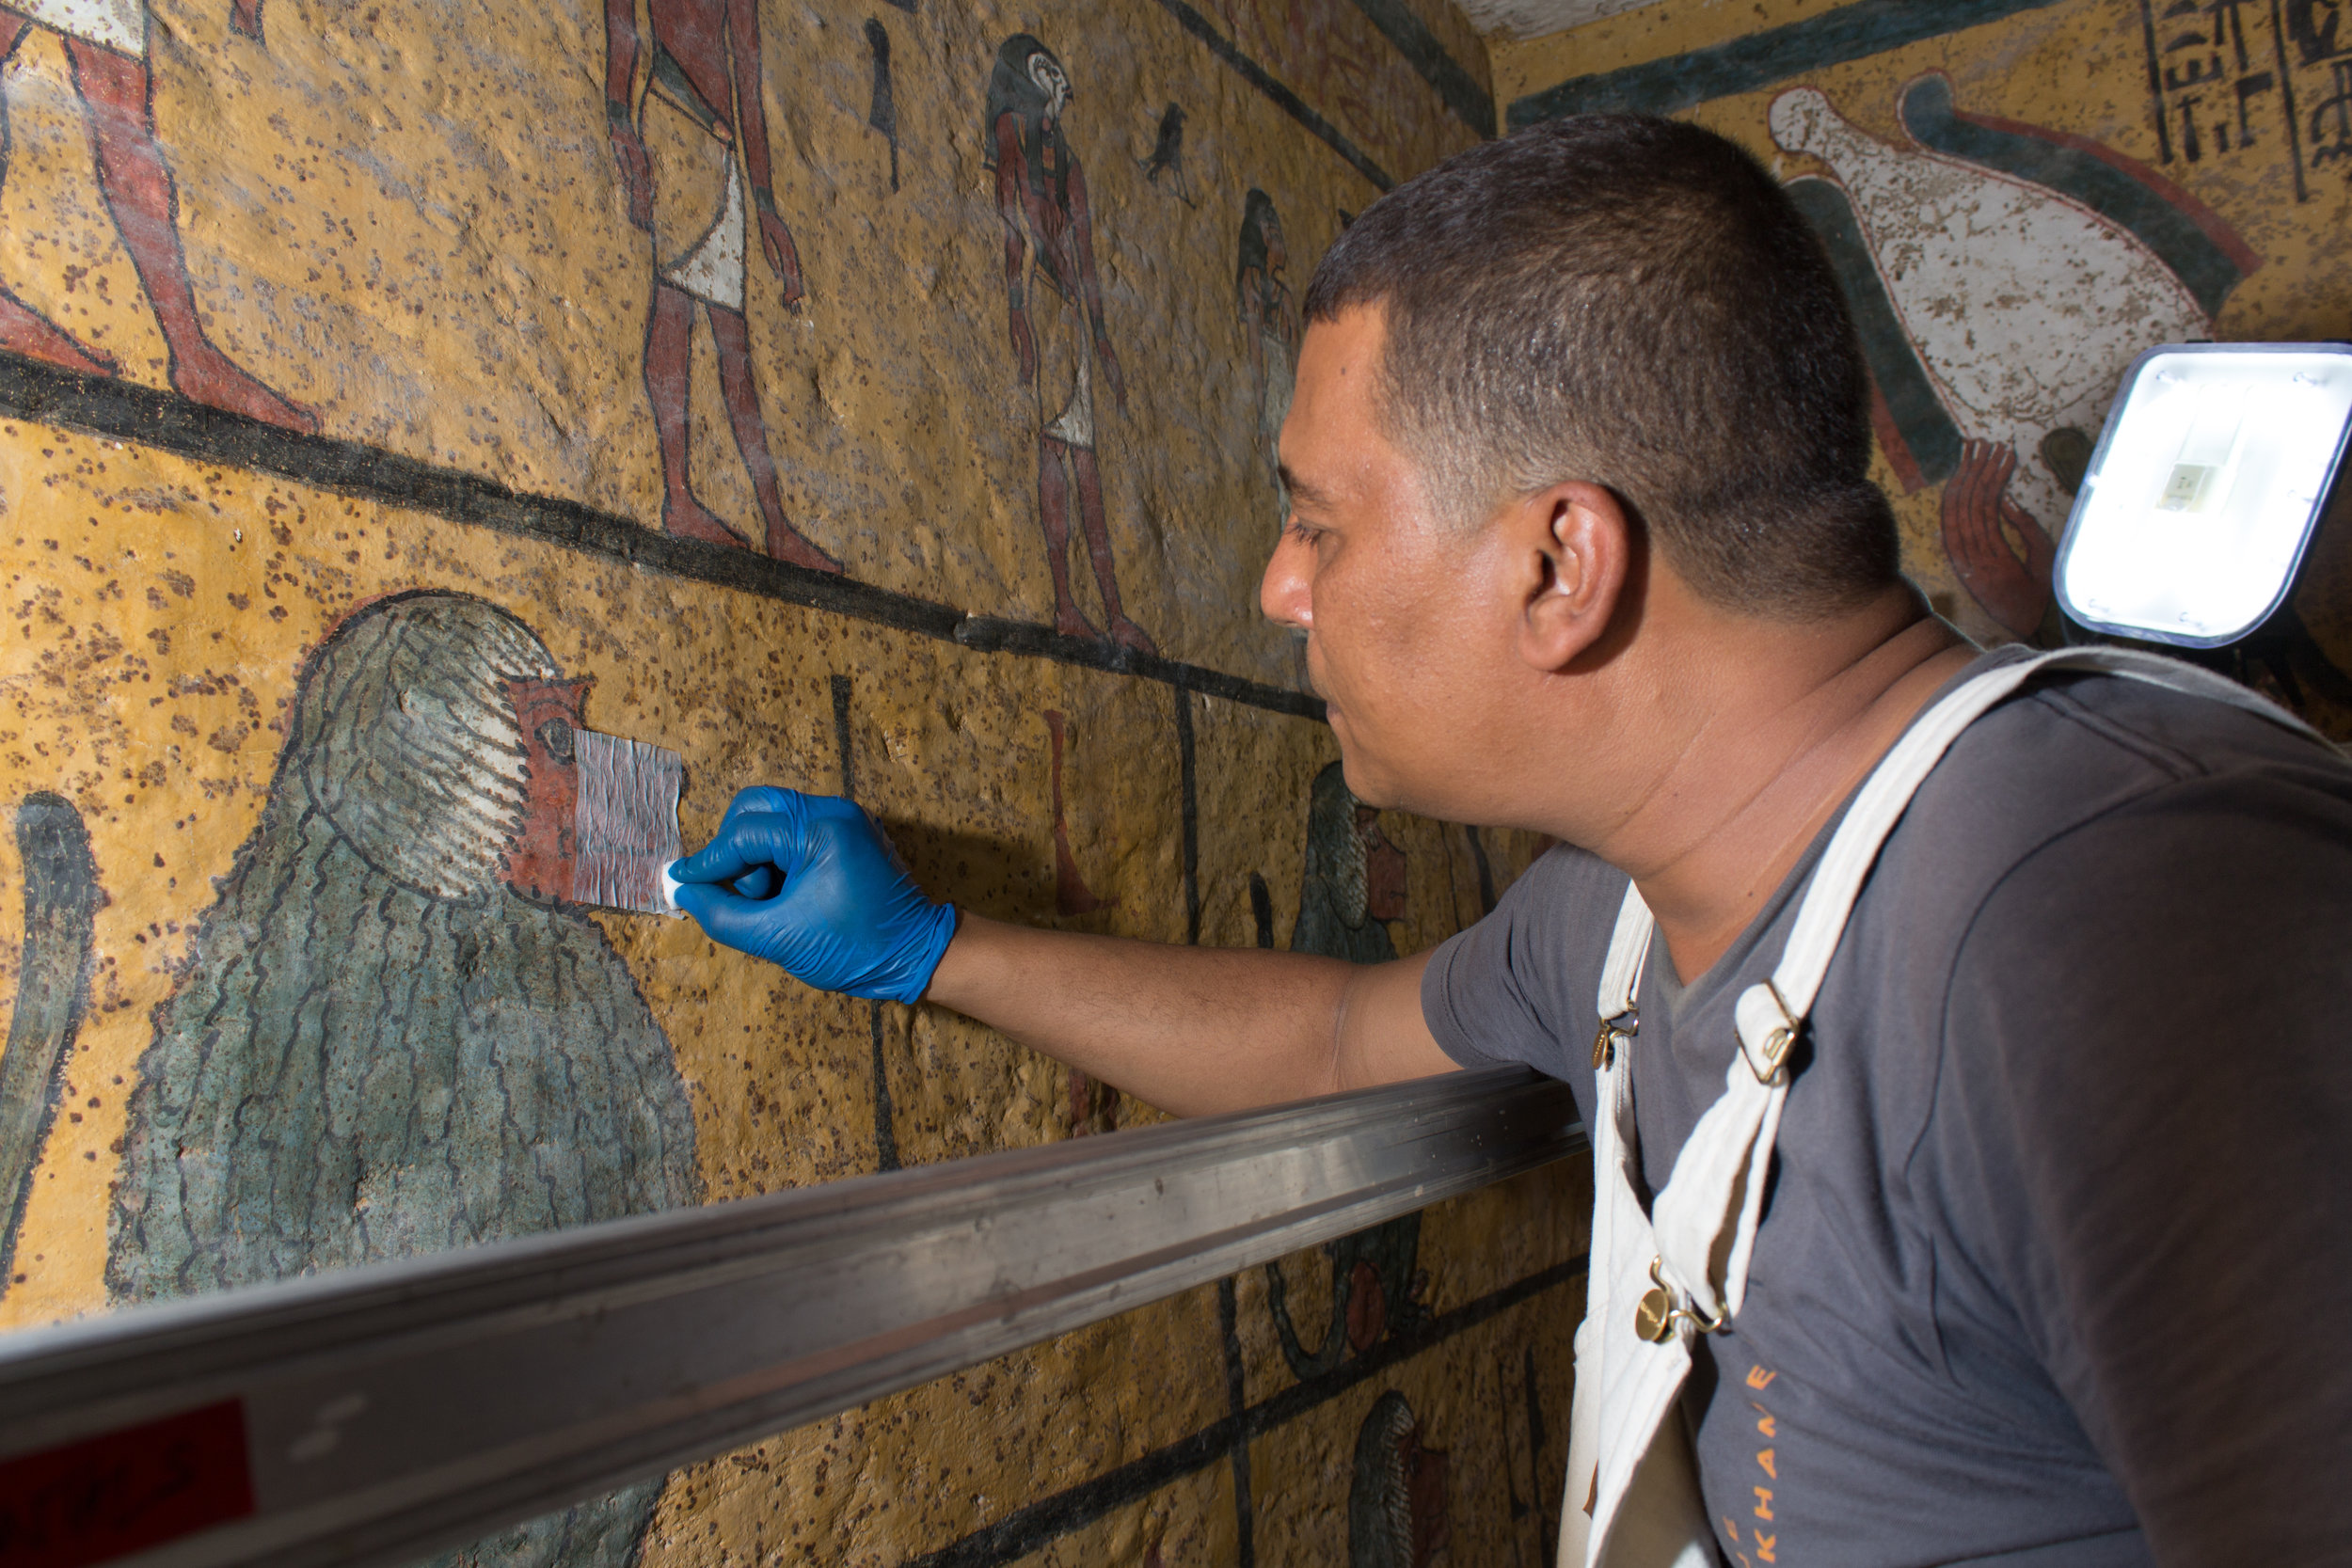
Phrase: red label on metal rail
(123,1492)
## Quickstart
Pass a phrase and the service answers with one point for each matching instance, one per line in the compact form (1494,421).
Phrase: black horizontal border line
(125,411)
(1410,36)
(1854,31)
(1288,102)
(1025,1530)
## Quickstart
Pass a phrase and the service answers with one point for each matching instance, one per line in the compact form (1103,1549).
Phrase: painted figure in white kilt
(693,151)
(1056,317)
(106,48)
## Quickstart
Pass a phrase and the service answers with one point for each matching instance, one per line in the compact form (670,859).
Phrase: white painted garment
(713,269)
(1685,1261)
(117,25)
(2025,305)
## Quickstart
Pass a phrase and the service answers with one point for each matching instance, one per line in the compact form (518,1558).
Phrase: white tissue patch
(669,892)
(624,822)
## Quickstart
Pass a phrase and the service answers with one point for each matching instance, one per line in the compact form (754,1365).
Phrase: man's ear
(1574,544)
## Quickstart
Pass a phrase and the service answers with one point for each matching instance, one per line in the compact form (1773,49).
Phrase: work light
(2207,486)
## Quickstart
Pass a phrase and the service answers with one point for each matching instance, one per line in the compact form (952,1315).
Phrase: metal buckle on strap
(1768,1058)
(1656,1314)
(1615,1034)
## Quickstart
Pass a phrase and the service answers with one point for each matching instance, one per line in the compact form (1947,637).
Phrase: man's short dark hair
(1636,303)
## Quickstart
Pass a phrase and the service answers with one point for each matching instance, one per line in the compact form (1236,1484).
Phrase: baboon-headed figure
(1396,1502)
(385,1043)
(1354,885)
(1355,880)
(1270,319)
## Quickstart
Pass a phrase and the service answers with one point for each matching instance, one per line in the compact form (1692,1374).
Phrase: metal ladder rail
(380,1414)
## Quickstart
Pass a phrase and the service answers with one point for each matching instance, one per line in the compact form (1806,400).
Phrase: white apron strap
(1629,955)
(1620,1386)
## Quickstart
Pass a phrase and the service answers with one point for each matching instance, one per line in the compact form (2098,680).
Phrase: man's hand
(628,151)
(784,258)
(809,884)
(1976,504)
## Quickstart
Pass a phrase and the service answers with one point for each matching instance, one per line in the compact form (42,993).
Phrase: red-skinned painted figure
(685,150)
(105,47)
(1056,310)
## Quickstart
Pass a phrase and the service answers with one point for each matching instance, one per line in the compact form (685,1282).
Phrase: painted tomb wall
(870,399)
(2021,196)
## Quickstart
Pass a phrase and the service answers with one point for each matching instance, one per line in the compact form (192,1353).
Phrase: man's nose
(1286,593)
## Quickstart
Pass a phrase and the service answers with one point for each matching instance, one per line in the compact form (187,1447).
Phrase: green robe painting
(381,1048)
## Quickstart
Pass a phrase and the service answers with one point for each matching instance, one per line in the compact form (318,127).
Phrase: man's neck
(1757,734)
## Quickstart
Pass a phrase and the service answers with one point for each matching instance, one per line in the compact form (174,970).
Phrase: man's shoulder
(2094,842)
(2178,734)
(1563,872)
(1519,982)
(1558,914)
(2079,749)
(2052,813)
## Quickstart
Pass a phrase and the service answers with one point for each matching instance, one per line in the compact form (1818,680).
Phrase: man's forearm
(809,884)
(1190,1029)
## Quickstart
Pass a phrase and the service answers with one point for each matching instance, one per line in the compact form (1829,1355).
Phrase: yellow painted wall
(405,220)
(2116,74)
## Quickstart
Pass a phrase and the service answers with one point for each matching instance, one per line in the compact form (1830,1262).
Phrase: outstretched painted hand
(784,257)
(1111,372)
(1978,515)
(629,152)
(1023,344)
(809,884)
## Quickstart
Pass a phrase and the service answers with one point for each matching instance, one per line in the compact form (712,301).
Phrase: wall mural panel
(754,226)
(399,404)
(2022,196)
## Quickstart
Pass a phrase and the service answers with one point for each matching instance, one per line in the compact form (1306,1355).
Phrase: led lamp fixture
(2209,482)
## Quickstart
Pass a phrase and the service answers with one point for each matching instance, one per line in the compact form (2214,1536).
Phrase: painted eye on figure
(555,735)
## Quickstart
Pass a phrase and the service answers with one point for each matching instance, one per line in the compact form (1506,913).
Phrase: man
(679,168)
(1583,543)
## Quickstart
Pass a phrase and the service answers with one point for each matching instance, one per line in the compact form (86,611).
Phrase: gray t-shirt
(2056,1258)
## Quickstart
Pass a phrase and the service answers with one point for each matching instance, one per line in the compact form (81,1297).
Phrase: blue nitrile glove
(809,884)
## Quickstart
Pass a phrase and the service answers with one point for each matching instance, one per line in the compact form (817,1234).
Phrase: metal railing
(379,1413)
